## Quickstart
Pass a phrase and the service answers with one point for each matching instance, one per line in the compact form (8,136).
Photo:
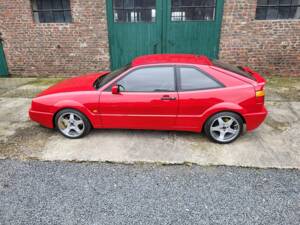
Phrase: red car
(158,92)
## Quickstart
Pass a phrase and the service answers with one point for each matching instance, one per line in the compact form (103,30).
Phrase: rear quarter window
(193,79)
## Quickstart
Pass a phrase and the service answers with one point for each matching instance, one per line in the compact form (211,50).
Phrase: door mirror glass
(115,89)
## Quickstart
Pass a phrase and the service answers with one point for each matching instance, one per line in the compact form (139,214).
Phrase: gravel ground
(98,193)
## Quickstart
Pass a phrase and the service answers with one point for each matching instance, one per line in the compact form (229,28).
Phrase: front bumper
(43,118)
(253,120)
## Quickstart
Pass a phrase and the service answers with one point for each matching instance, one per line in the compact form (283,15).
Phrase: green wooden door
(193,26)
(134,29)
(140,27)
(3,65)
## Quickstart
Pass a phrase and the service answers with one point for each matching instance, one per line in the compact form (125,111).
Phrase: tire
(224,127)
(72,123)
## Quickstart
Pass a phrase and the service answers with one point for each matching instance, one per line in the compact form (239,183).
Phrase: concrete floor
(275,144)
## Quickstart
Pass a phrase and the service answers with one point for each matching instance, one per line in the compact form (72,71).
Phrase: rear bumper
(253,120)
(43,118)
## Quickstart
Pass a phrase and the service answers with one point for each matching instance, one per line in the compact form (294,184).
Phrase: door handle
(164,98)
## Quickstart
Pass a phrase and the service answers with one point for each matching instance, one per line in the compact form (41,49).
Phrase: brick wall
(270,46)
(34,49)
(38,49)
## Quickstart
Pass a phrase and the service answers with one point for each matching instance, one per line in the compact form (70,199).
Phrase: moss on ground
(280,81)
(287,88)
(45,81)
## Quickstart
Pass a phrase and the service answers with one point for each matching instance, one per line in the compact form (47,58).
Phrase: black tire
(210,133)
(86,127)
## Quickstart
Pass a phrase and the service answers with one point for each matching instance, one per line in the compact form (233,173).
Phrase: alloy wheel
(71,124)
(225,128)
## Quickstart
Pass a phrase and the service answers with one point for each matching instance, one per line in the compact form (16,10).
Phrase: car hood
(80,83)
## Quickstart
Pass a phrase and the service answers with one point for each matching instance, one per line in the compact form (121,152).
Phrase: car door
(147,100)
(197,92)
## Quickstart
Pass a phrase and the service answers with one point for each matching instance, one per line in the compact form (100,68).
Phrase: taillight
(260,93)
(260,96)
(259,87)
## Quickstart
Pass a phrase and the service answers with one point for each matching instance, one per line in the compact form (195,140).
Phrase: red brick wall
(55,49)
(37,49)
(270,46)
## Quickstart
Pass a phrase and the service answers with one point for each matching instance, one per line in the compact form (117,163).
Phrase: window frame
(178,79)
(214,6)
(278,5)
(127,73)
(37,11)
(133,9)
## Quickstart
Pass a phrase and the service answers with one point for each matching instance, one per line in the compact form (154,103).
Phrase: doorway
(140,27)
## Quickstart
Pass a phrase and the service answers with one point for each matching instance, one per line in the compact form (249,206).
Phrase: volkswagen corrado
(157,92)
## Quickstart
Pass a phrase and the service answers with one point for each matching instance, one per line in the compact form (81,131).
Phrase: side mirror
(115,89)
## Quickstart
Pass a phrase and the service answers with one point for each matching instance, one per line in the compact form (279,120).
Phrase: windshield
(231,68)
(102,80)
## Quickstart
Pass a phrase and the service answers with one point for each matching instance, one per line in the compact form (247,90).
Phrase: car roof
(171,58)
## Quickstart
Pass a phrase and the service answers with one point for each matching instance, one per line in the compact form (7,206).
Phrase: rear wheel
(224,127)
(72,123)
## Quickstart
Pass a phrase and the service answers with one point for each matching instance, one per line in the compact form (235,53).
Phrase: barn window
(134,10)
(187,10)
(51,11)
(277,9)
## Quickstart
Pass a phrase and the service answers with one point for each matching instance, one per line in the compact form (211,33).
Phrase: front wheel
(224,127)
(72,123)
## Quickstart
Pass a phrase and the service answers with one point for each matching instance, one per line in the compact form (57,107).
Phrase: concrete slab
(27,91)
(275,144)
(9,83)
(13,115)
(24,87)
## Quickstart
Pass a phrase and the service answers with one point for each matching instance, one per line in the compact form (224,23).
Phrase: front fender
(71,104)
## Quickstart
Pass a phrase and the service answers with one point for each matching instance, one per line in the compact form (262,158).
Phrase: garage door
(3,65)
(139,27)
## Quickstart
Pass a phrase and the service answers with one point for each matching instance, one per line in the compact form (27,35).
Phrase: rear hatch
(245,74)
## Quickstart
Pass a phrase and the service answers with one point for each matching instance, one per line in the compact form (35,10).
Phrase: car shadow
(149,133)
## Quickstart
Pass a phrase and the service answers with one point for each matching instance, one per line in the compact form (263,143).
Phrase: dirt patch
(283,81)
(277,125)
(287,88)
(25,143)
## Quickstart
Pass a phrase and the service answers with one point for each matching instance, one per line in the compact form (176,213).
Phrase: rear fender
(221,107)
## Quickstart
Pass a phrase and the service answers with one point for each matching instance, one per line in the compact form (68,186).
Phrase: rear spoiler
(259,79)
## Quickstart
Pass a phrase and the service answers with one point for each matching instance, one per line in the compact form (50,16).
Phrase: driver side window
(151,79)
